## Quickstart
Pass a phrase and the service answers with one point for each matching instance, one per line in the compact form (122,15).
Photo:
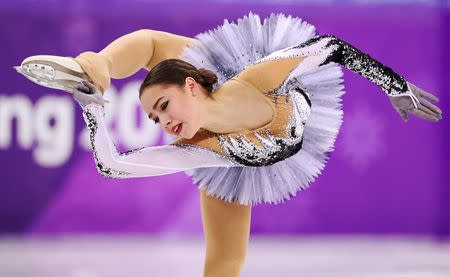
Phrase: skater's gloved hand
(86,93)
(404,104)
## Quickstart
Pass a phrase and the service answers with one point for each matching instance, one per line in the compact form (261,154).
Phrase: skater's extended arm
(141,162)
(321,50)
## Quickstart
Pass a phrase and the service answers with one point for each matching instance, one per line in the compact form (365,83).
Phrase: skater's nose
(165,120)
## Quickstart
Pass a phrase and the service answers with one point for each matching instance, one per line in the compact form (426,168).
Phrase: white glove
(86,93)
(418,106)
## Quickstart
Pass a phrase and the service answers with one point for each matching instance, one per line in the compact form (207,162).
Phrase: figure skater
(255,109)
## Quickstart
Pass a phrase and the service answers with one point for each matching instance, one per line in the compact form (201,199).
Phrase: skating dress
(297,72)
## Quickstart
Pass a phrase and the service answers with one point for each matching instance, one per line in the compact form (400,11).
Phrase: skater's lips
(177,128)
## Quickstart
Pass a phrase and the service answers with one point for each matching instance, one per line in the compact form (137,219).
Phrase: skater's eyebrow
(154,107)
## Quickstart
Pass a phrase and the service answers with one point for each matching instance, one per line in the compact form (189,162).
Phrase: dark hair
(175,71)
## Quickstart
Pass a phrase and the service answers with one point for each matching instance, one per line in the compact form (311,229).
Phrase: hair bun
(209,78)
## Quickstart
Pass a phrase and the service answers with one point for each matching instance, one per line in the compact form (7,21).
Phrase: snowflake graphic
(362,138)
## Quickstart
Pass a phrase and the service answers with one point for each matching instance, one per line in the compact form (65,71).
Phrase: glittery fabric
(352,58)
(271,144)
(92,125)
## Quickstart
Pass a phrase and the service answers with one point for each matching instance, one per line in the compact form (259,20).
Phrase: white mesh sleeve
(145,161)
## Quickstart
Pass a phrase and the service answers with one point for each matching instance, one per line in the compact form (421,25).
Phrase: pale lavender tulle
(230,48)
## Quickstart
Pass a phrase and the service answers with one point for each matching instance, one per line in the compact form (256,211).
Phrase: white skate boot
(56,72)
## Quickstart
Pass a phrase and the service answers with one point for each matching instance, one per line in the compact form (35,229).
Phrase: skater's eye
(164,105)
(156,120)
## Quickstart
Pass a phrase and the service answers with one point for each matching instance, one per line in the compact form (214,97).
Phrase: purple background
(384,177)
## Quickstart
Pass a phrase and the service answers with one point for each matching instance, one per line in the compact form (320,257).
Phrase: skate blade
(45,79)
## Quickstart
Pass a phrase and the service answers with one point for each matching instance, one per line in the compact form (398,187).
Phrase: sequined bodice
(276,141)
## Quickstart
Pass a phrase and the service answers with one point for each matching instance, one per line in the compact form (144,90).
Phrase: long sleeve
(145,161)
(324,49)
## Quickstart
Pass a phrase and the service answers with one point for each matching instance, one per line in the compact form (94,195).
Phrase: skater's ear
(190,84)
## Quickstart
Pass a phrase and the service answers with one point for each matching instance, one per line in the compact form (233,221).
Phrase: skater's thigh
(226,226)
(168,46)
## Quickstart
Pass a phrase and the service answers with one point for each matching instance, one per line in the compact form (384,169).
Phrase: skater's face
(170,105)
